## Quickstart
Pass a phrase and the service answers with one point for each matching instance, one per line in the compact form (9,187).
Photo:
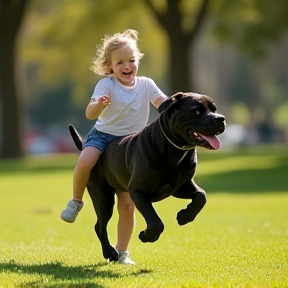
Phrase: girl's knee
(88,158)
(83,165)
(126,208)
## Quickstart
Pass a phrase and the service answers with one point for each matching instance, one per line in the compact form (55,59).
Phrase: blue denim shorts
(99,139)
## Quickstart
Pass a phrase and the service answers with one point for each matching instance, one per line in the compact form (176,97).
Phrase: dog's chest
(172,182)
(180,176)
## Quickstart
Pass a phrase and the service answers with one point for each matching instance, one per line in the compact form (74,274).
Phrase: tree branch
(170,20)
(200,17)
(161,17)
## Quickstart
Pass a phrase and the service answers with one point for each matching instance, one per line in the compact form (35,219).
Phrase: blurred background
(234,51)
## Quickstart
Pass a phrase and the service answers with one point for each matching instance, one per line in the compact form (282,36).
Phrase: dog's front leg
(154,224)
(190,190)
(188,215)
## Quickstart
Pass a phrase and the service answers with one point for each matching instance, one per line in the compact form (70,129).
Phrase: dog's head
(191,120)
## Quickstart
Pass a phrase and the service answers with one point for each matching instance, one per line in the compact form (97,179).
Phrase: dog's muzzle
(208,142)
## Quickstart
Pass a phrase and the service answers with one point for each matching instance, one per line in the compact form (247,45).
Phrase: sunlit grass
(238,240)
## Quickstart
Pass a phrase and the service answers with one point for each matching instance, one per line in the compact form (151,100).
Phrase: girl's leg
(88,158)
(126,224)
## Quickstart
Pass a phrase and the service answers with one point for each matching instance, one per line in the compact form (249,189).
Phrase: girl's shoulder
(107,81)
(145,80)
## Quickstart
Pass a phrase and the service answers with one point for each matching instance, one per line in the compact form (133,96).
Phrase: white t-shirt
(129,109)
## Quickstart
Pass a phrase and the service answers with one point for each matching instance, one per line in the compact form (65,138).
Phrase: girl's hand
(95,107)
(105,100)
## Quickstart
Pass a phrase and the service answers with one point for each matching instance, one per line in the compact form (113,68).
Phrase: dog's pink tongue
(213,141)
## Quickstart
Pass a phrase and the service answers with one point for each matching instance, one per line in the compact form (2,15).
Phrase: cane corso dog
(155,163)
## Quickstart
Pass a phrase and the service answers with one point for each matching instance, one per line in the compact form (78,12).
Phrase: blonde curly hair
(101,63)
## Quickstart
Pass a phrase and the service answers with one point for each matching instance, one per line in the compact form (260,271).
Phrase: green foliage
(59,38)
(40,113)
(238,240)
(61,46)
(282,117)
(251,24)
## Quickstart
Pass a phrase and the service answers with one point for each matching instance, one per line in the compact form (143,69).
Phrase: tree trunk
(11,108)
(180,40)
(179,70)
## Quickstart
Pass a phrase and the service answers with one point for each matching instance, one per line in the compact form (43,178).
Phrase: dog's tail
(76,137)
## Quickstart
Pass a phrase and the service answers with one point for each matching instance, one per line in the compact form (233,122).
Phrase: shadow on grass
(248,180)
(81,274)
(240,179)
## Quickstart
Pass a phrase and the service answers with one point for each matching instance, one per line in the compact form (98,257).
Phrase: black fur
(156,163)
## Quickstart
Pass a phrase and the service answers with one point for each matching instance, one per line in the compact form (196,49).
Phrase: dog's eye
(196,111)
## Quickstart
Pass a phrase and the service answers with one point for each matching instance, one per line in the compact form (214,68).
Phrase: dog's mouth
(208,142)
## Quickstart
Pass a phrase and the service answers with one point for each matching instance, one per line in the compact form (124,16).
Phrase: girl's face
(124,64)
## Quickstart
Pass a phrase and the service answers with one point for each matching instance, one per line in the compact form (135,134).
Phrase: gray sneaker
(71,211)
(124,258)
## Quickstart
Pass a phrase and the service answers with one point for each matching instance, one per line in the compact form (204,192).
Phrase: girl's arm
(159,101)
(96,106)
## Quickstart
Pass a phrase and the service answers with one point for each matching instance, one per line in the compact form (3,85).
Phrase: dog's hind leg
(190,191)
(103,202)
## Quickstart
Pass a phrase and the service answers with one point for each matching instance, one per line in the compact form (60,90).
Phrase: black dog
(156,163)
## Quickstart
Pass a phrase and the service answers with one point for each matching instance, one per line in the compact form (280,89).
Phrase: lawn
(240,238)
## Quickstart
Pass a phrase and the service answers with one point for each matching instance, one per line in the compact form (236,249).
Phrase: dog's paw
(111,254)
(184,217)
(151,234)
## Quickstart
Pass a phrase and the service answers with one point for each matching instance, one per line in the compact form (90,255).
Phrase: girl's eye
(132,60)
(118,63)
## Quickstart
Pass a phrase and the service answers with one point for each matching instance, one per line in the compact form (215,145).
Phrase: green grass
(238,240)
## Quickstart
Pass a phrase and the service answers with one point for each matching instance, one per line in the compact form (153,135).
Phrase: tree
(181,37)
(254,27)
(11,107)
(250,25)
(71,27)
(243,23)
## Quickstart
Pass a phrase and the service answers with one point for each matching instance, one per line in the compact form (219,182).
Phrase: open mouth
(209,142)
(127,73)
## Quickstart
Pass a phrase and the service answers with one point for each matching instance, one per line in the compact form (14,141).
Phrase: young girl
(120,105)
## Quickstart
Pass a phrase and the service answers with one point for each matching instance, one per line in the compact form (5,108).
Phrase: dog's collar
(181,148)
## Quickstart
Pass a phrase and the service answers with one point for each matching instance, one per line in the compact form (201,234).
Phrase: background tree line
(232,50)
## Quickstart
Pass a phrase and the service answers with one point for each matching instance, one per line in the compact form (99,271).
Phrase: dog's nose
(220,118)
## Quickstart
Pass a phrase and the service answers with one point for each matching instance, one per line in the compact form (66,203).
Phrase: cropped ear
(174,98)
(177,96)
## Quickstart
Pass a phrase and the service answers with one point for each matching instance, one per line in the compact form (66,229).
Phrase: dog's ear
(174,98)
(177,96)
